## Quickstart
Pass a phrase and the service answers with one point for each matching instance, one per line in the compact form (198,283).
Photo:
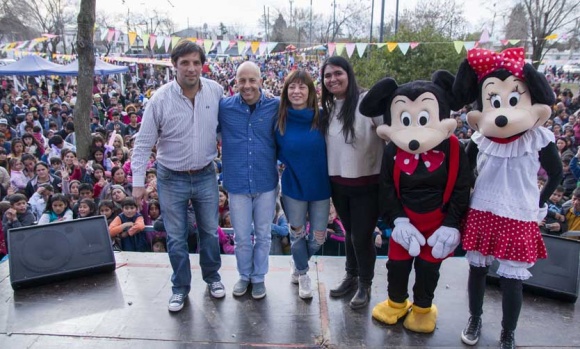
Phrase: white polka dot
(406,161)
(427,164)
(416,156)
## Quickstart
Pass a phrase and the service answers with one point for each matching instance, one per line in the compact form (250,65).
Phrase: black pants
(512,297)
(358,209)
(426,279)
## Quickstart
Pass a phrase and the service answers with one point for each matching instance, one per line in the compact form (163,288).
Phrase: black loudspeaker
(41,254)
(555,277)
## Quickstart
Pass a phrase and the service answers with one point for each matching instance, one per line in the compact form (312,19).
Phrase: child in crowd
(57,210)
(129,225)
(573,214)
(555,221)
(39,199)
(279,232)
(334,245)
(569,182)
(4,206)
(55,165)
(108,209)
(87,208)
(17,177)
(19,214)
(153,214)
(159,244)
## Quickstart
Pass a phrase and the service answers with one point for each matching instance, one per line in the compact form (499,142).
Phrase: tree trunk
(86,57)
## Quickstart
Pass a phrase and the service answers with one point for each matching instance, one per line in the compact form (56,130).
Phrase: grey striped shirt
(185,137)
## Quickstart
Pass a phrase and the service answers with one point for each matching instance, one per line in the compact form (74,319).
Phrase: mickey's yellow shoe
(390,312)
(421,320)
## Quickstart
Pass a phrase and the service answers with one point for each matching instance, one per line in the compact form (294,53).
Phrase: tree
(51,16)
(85,49)
(444,17)
(417,64)
(279,29)
(105,21)
(13,23)
(546,17)
(517,25)
(223,29)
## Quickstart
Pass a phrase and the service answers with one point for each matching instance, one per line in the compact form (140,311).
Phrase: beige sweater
(364,156)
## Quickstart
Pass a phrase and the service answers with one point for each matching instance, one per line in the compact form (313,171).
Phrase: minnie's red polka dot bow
(485,61)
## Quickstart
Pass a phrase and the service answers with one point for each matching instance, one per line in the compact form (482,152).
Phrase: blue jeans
(175,190)
(245,209)
(305,245)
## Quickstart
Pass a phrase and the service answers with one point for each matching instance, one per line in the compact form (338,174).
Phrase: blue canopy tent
(32,66)
(101,68)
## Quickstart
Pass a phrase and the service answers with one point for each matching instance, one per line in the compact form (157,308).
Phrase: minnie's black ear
(445,80)
(540,89)
(375,101)
(465,88)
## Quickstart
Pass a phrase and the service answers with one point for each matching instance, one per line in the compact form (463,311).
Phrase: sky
(245,13)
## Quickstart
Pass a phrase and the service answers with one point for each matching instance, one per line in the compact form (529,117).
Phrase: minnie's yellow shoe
(390,312)
(422,320)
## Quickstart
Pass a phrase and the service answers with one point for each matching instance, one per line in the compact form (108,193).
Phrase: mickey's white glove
(444,241)
(543,212)
(406,235)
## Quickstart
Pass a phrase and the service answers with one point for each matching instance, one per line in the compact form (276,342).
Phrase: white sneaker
(293,272)
(304,290)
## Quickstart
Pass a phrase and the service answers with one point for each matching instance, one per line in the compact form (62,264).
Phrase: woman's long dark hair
(347,113)
(301,76)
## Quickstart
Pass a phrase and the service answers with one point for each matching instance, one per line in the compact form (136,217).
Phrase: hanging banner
(255,45)
(159,41)
(349,49)
(458,46)
(514,42)
(132,37)
(551,37)
(404,47)
(152,39)
(331,48)
(207,44)
(224,44)
(174,41)
(361,48)
(381,44)
(263,50)
(110,34)
(469,45)
(413,45)
(484,37)
(340,48)
(104,33)
(145,38)
(167,43)
(241,47)
(272,46)
(391,46)
(117,35)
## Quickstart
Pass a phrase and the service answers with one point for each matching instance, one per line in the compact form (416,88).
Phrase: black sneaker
(470,335)
(507,340)
(176,302)
(216,289)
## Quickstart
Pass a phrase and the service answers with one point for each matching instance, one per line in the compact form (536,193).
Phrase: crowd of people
(178,166)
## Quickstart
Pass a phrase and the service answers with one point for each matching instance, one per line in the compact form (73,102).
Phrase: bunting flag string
(132,37)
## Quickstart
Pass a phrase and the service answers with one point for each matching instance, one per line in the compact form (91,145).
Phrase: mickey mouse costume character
(425,183)
(508,146)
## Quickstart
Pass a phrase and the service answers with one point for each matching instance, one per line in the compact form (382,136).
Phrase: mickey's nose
(414,145)
(501,121)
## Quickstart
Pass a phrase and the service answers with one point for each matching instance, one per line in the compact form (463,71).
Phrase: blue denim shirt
(248,145)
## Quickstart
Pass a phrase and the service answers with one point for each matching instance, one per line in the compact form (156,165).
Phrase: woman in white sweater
(354,162)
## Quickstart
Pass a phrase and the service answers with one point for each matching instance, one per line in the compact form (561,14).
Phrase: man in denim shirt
(247,122)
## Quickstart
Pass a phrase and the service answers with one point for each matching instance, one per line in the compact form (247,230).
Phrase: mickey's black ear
(465,88)
(375,101)
(445,80)
(540,89)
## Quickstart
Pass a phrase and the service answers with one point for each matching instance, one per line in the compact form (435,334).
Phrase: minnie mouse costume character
(425,183)
(508,146)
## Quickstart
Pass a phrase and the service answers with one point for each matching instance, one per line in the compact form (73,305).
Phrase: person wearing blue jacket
(301,147)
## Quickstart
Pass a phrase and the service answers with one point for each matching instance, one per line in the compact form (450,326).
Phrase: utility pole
(381,30)
(372,16)
(397,18)
(310,35)
(333,19)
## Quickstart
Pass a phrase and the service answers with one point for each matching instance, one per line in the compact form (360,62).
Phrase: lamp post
(381,30)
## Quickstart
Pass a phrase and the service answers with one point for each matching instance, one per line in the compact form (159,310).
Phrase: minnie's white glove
(444,241)
(406,235)
(543,212)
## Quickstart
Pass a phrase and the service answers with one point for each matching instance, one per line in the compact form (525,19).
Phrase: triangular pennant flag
(263,48)
(349,49)
(340,48)
(152,39)
(404,47)
(458,46)
(159,41)
(167,43)
(381,44)
(361,48)
(504,42)
(469,45)
(255,45)
(413,45)
(232,43)
(551,37)
(117,35)
(514,41)
(484,37)
(331,48)
(22,44)
(104,33)
(241,47)
(145,38)
(391,46)
(224,45)
(271,46)
(132,37)
(174,41)
(110,34)
(207,43)
(199,42)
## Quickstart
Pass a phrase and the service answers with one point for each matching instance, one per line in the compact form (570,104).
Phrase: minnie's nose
(501,121)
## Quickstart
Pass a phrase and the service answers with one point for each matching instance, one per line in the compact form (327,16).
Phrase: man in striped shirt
(181,119)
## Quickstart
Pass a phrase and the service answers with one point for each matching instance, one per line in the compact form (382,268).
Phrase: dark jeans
(358,209)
